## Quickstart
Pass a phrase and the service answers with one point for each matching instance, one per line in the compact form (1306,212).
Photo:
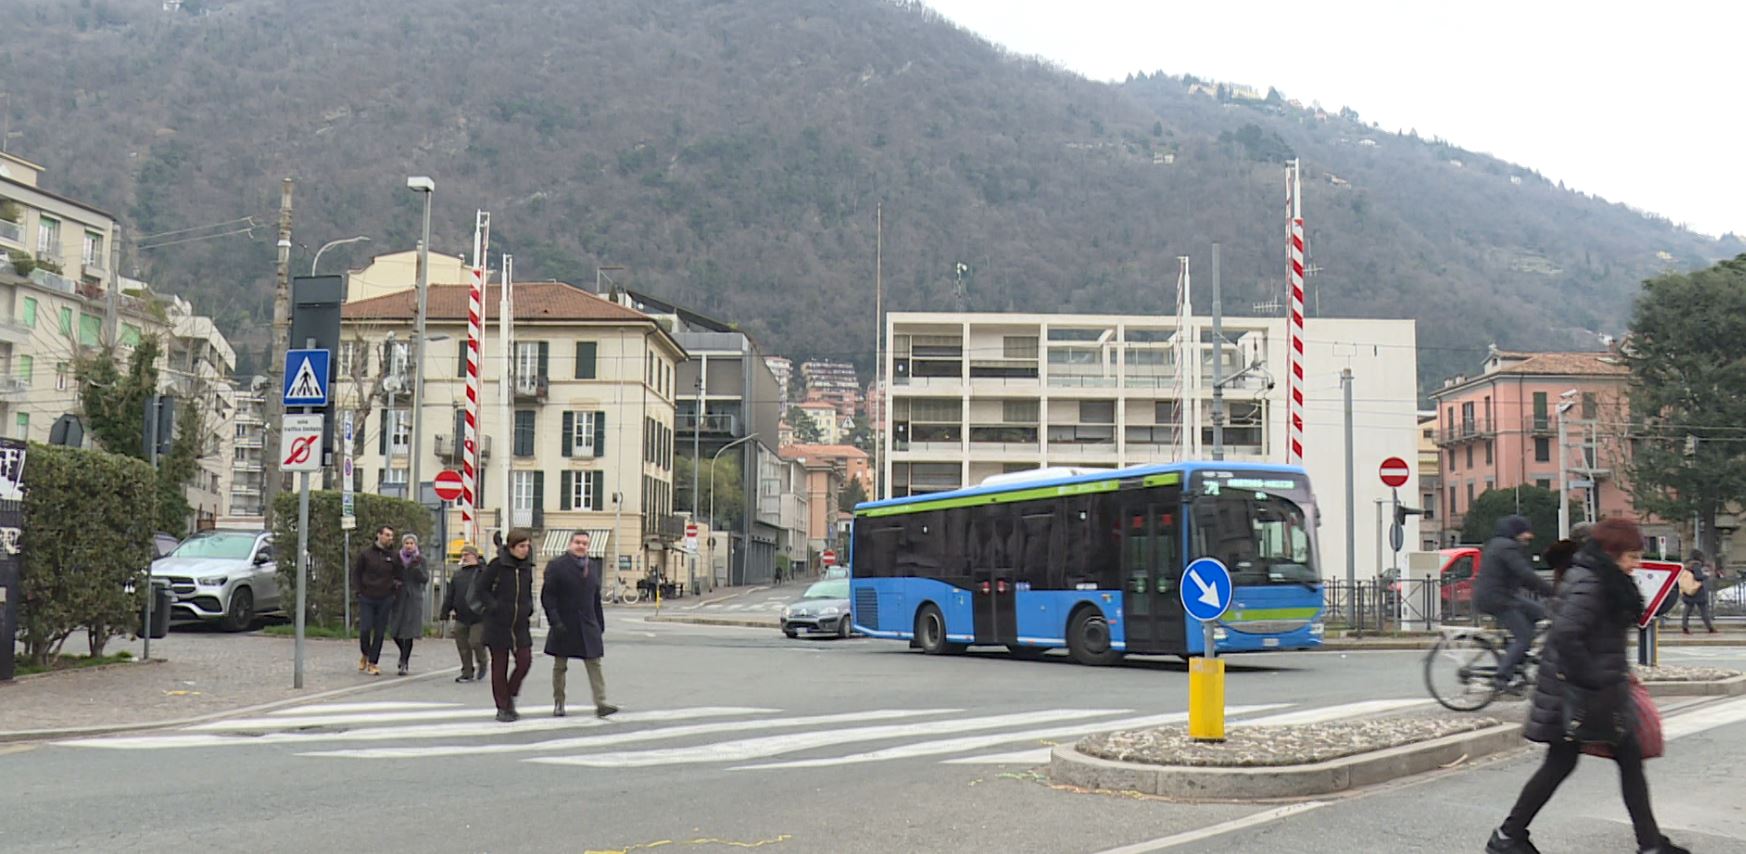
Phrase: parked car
(163,544)
(835,572)
(822,609)
(224,576)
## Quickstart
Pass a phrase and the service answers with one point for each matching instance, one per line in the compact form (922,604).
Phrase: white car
(227,577)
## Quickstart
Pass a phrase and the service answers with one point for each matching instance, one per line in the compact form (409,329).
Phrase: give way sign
(1655,580)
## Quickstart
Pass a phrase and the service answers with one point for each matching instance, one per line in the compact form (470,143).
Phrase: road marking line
(363,718)
(481,729)
(336,708)
(959,745)
(1710,717)
(1333,713)
(756,748)
(1175,840)
(585,742)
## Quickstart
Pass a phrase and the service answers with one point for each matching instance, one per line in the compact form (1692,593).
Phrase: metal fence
(1408,604)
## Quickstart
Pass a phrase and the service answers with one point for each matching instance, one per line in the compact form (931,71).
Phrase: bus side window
(1034,569)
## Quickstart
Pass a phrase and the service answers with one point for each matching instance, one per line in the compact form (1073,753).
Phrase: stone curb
(1418,644)
(98,668)
(1067,765)
(1732,687)
(744,623)
(111,729)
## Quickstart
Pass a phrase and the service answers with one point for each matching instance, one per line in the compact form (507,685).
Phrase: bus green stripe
(1257,614)
(1166,479)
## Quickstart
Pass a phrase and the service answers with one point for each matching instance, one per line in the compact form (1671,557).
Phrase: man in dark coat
(503,595)
(1505,571)
(377,576)
(1699,600)
(571,598)
(469,626)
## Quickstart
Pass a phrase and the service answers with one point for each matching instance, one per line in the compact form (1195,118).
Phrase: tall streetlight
(331,244)
(420,184)
(1566,400)
(740,441)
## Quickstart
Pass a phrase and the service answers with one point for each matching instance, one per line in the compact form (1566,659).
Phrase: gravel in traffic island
(1276,762)
(1672,680)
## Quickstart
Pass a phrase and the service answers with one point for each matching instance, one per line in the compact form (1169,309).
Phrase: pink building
(1500,429)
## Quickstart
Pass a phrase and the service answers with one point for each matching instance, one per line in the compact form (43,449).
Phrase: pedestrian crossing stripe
(738,739)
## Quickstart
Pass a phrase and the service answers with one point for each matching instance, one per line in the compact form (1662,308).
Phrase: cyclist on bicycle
(1505,571)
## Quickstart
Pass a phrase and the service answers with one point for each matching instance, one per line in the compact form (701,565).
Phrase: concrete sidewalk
(196,674)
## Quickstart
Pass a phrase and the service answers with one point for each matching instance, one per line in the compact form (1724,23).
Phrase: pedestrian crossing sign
(306,378)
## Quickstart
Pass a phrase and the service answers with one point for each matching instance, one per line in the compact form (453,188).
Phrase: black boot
(1666,847)
(1501,844)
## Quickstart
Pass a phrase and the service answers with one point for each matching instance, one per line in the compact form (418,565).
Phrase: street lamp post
(331,244)
(712,460)
(420,184)
(1564,468)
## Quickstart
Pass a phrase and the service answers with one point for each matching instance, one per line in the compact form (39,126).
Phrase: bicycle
(629,594)
(1467,658)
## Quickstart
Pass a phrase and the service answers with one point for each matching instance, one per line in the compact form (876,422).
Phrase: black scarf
(1624,604)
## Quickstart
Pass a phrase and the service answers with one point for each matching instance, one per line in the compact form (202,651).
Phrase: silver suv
(223,576)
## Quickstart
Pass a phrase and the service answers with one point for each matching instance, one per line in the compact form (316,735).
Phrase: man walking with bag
(469,626)
(570,595)
(1694,588)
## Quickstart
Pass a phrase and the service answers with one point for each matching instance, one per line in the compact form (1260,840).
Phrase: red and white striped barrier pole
(470,440)
(1294,379)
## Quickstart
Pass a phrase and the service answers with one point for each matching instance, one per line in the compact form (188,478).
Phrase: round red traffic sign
(1395,472)
(448,484)
(830,557)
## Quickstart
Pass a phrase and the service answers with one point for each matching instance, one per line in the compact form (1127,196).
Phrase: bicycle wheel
(1459,671)
(632,594)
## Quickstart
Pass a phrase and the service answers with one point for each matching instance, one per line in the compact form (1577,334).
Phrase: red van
(1460,566)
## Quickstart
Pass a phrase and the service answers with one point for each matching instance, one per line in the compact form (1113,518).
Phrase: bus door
(994,556)
(1151,570)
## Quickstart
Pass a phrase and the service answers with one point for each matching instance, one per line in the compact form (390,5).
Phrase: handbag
(1592,716)
(1650,740)
(1688,583)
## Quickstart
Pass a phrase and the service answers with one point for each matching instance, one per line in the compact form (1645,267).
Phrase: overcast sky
(1643,104)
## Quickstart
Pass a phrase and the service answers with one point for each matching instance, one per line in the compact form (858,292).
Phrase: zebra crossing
(743,739)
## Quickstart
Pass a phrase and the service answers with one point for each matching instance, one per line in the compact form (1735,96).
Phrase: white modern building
(976,395)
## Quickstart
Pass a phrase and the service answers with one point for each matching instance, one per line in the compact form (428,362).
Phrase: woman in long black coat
(1598,603)
(570,595)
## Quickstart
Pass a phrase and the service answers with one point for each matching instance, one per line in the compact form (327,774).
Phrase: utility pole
(112,300)
(1351,500)
(1563,474)
(427,188)
(1218,365)
(879,455)
(274,481)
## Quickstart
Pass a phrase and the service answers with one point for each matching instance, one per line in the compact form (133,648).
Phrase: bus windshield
(1262,538)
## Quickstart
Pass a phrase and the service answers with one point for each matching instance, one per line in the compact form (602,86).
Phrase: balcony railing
(1541,425)
(531,389)
(1466,431)
(449,451)
(54,281)
(718,424)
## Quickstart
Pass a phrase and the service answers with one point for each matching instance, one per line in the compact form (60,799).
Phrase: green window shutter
(565,481)
(539,490)
(545,357)
(66,321)
(600,434)
(461,359)
(597,490)
(30,312)
(587,353)
(569,439)
(90,330)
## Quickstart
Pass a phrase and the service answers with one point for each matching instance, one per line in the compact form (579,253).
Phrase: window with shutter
(568,434)
(579,434)
(545,358)
(539,486)
(596,490)
(599,434)
(524,433)
(587,356)
(566,483)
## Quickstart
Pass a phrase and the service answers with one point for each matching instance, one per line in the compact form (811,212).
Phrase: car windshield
(232,546)
(835,589)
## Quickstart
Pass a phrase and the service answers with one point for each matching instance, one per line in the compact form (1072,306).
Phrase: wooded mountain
(731,153)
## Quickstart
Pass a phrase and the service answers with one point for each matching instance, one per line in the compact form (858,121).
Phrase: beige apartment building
(70,246)
(587,443)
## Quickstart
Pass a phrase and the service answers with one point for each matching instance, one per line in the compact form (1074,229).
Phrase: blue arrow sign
(1206,589)
(306,378)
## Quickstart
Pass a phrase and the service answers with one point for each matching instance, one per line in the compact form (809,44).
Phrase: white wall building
(974,395)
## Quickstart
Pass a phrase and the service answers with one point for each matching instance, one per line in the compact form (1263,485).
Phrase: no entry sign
(1395,472)
(448,484)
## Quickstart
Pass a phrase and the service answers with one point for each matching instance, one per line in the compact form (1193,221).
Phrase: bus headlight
(1219,633)
(1316,629)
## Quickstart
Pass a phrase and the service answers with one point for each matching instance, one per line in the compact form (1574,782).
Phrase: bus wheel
(930,632)
(1088,639)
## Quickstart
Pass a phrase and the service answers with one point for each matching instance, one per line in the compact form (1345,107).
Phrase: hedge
(88,525)
(327,566)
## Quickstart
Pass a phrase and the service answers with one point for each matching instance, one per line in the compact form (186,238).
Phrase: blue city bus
(1091,562)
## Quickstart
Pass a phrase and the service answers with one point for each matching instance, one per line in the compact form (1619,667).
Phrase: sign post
(348,520)
(306,385)
(12,453)
(1206,596)
(1655,581)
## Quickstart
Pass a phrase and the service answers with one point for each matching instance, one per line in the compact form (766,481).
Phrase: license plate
(1270,641)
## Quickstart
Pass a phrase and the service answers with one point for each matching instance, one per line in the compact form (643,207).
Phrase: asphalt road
(738,737)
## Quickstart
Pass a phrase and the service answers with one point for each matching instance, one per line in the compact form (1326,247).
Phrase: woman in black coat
(503,595)
(1598,604)
(570,595)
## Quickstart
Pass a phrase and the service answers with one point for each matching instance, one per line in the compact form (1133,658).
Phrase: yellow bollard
(1206,699)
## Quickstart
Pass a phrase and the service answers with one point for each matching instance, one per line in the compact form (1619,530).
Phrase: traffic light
(1401,512)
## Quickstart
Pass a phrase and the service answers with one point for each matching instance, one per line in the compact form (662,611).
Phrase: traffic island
(1276,762)
(1677,681)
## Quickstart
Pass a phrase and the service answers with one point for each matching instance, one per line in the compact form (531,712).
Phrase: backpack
(1689,585)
